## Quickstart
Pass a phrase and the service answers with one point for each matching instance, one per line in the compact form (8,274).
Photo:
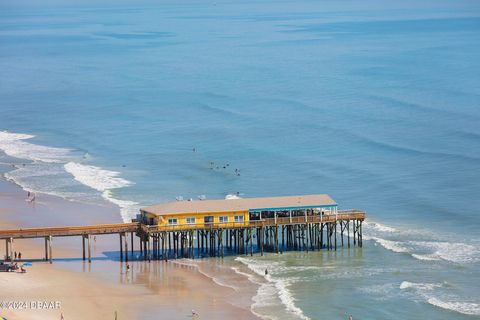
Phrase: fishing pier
(215,228)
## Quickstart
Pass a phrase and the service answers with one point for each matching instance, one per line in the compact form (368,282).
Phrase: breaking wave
(273,287)
(420,286)
(375,226)
(50,171)
(95,177)
(469,308)
(426,257)
(104,181)
(14,145)
(426,248)
(232,197)
(456,252)
(453,252)
(395,246)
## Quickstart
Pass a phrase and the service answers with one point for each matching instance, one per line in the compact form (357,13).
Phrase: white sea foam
(217,280)
(50,168)
(185,262)
(191,264)
(287,298)
(128,209)
(426,257)
(280,286)
(456,252)
(395,246)
(13,144)
(457,306)
(266,294)
(379,227)
(419,286)
(249,276)
(95,177)
(232,197)
(104,181)
(298,268)
(47,178)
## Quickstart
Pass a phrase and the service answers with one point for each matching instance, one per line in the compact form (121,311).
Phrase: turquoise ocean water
(375,103)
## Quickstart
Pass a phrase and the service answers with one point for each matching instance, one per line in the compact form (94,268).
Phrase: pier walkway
(49,232)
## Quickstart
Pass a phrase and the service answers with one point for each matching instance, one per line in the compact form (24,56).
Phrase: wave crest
(273,286)
(469,308)
(420,286)
(13,144)
(95,177)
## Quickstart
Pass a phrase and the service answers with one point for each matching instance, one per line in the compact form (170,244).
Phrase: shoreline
(171,288)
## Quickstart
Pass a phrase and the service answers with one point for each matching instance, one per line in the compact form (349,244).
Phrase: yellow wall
(182,218)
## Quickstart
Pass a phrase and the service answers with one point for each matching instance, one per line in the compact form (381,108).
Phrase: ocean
(375,103)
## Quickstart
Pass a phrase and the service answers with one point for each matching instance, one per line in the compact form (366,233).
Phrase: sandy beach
(79,290)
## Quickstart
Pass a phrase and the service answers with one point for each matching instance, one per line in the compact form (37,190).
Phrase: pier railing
(69,231)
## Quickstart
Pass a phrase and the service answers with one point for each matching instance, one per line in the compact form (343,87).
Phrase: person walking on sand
(19,256)
(61,316)
(15,255)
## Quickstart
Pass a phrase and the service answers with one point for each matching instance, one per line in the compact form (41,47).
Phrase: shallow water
(373,103)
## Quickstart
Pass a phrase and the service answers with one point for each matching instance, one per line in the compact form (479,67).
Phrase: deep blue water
(375,103)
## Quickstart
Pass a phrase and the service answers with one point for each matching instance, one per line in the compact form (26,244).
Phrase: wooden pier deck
(68,231)
(308,232)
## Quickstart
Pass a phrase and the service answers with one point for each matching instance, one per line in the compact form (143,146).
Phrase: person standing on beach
(15,255)
(19,256)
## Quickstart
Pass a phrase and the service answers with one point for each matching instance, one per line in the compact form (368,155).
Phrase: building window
(208,219)
(239,218)
(223,219)
(172,221)
(254,215)
(191,220)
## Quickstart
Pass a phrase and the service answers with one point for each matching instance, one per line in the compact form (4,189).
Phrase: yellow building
(235,212)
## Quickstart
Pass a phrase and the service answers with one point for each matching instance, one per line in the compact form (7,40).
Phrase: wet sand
(150,290)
